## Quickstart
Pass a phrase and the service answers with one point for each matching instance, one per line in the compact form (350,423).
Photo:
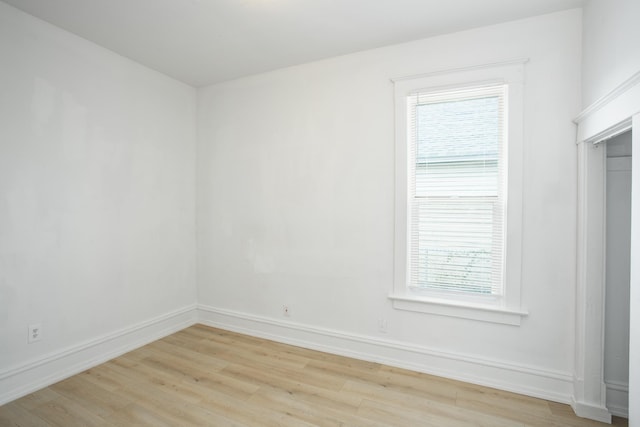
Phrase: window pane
(457,148)
(456,238)
(453,245)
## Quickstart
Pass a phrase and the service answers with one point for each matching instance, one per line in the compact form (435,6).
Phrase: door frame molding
(606,118)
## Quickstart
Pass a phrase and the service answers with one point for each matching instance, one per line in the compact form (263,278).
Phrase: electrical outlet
(35,333)
(383,325)
(286,311)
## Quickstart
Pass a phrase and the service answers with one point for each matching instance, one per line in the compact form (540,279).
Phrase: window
(458,185)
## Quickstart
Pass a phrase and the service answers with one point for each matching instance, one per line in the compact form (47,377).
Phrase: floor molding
(546,384)
(33,375)
(618,398)
(593,412)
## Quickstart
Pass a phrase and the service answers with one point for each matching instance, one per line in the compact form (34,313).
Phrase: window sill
(464,310)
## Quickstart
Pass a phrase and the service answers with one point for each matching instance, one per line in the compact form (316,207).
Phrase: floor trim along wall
(592,412)
(33,375)
(546,384)
(618,398)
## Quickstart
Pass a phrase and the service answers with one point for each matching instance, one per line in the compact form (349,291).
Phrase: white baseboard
(593,412)
(33,375)
(546,384)
(551,385)
(618,398)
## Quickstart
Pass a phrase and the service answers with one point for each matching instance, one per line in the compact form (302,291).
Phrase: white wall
(611,46)
(97,194)
(295,206)
(611,55)
(618,268)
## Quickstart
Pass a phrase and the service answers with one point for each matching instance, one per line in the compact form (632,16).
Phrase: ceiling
(201,42)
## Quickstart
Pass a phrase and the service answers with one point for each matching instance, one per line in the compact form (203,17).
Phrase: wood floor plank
(300,408)
(125,374)
(99,401)
(395,415)
(409,385)
(33,400)
(442,409)
(136,415)
(203,376)
(16,415)
(170,406)
(301,390)
(250,415)
(380,393)
(338,370)
(65,412)
(98,378)
(214,381)
(202,360)
(515,407)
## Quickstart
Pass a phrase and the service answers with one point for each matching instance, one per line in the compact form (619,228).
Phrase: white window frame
(505,309)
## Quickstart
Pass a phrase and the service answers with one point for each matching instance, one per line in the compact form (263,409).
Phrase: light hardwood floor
(209,377)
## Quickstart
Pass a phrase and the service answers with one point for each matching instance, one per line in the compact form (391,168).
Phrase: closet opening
(617,272)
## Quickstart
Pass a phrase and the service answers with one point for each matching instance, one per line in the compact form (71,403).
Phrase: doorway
(617,273)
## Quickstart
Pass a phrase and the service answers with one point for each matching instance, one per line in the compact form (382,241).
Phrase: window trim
(506,309)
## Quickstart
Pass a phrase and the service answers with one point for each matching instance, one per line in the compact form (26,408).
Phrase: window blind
(456,188)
